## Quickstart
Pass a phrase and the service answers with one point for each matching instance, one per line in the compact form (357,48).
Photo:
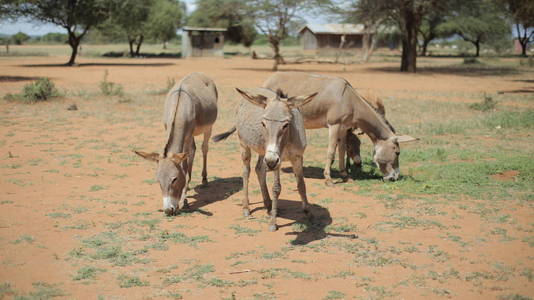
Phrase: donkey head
(171,176)
(386,155)
(276,120)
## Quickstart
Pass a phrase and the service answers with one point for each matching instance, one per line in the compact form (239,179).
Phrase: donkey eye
(285,125)
(174,180)
(263,124)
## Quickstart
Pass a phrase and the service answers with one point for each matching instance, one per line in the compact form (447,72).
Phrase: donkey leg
(277,188)
(261,172)
(330,155)
(342,149)
(245,156)
(301,186)
(189,167)
(205,147)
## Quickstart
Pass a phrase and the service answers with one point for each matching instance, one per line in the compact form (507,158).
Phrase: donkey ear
(258,100)
(178,157)
(148,156)
(299,101)
(405,138)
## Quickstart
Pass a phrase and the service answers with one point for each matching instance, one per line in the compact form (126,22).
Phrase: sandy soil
(73,195)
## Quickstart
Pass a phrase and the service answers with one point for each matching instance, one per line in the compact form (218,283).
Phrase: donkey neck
(368,120)
(176,137)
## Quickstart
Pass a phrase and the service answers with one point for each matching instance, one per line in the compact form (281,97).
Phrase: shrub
(486,105)
(110,88)
(471,61)
(40,90)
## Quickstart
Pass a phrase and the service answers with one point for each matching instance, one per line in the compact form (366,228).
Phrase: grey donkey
(271,124)
(190,110)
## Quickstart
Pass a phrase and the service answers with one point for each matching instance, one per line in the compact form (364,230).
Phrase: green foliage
(40,90)
(477,21)
(230,14)
(487,104)
(126,281)
(164,18)
(54,38)
(20,38)
(87,272)
(78,17)
(110,88)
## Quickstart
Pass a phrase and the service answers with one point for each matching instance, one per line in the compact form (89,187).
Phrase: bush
(40,90)
(471,61)
(486,105)
(110,88)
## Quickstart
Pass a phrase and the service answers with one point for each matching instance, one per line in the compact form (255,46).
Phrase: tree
(230,14)
(165,17)
(129,18)
(408,16)
(273,18)
(76,16)
(19,38)
(522,13)
(430,29)
(477,22)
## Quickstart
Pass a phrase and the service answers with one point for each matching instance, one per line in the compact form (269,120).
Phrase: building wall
(308,41)
(202,43)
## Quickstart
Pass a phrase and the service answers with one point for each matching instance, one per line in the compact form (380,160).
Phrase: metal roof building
(328,36)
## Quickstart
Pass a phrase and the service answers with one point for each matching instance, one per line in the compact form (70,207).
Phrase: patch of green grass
(5,290)
(487,104)
(42,290)
(514,297)
(6,202)
(40,90)
(240,230)
(87,272)
(24,238)
(334,295)
(272,255)
(59,215)
(178,237)
(126,281)
(96,187)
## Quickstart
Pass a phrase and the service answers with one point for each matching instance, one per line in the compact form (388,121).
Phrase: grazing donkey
(340,107)
(270,124)
(190,110)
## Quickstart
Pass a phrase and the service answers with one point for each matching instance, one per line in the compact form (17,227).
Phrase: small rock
(72,107)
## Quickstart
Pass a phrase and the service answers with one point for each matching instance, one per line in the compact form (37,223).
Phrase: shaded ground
(79,211)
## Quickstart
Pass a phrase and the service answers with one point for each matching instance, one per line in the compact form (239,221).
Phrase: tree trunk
(277,57)
(365,46)
(424,47)
(409,40)
(74,42)
(477,45)
(130,43)
(524,45)
(141,38)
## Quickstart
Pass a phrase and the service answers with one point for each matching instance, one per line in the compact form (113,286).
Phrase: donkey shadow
(216,190)
(314,227)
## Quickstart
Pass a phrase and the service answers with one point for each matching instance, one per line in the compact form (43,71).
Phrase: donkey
(339,107)
(270,124)
(190,110)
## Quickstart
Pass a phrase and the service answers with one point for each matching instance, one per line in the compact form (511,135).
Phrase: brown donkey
(190,110)
(339,107)
(270,124)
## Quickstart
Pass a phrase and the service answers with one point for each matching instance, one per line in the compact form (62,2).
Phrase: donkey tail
(222,136)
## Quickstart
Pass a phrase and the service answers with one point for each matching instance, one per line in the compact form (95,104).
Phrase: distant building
(329,36)
(202,41)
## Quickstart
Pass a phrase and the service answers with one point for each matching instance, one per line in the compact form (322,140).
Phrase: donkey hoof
(169,212)
(273,228)
(246,212)
(204,181)
(329,183)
